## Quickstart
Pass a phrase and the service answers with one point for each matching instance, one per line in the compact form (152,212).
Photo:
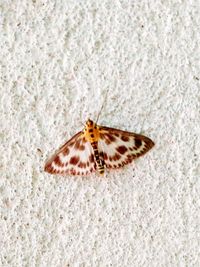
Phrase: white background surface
(58,59)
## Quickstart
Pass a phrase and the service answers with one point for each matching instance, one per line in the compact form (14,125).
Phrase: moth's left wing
(118,148)
(75,157)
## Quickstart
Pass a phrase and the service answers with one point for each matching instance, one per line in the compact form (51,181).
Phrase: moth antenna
(102,106)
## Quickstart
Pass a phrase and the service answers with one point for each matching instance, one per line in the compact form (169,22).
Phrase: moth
(97,148)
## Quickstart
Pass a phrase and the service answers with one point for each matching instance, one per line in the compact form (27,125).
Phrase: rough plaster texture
(58,59)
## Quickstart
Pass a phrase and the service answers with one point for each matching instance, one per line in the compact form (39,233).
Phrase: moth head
(89,123)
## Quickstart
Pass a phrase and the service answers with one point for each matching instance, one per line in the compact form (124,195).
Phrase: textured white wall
(58,59)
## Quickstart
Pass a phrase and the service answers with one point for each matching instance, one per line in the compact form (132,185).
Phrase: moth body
(92,135)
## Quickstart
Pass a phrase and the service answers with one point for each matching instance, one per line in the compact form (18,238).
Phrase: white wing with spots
(118,148)
(75,157)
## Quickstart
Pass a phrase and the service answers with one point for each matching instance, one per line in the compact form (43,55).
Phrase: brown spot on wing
(65,151)
(84,140)
(77,144)
(74,160)
(109,138)
(71,144)
(105,156)
(125,138)
(48,168)
(138,143)
(82,165)
(72,171)
(108,165)
(116,157)
(58,162)
(129,158)
(108,142)
(91,158)
(81,147)
(121,149)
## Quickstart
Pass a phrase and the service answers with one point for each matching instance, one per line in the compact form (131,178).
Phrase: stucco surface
(57,61)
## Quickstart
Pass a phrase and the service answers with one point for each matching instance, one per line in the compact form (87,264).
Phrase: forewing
(119,148)
(75,157)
